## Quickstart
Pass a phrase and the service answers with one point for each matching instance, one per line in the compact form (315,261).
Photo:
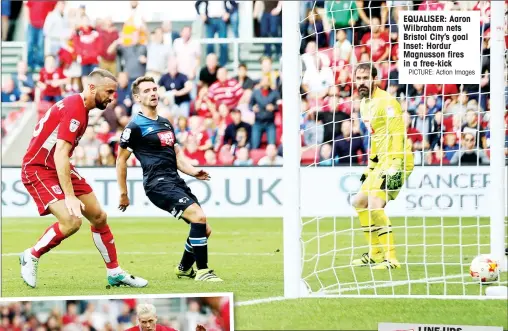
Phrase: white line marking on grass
(339,294)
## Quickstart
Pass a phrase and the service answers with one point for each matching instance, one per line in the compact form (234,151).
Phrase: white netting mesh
(440,219)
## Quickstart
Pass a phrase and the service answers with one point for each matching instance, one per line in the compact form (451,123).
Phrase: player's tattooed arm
(121,174)
(184,166)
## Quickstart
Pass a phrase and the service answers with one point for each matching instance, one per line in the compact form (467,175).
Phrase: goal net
(449,210)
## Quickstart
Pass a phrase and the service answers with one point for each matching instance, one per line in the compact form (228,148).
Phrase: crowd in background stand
(102,315)
(227,118)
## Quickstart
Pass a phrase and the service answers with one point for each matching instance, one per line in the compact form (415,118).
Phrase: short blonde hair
(144,309)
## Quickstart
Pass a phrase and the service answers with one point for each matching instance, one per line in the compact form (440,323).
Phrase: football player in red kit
(146,316)
(58,189)
(221,309)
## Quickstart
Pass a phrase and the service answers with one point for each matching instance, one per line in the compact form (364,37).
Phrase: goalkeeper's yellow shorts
(375,184)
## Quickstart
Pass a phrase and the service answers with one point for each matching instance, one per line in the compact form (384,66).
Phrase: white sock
(114,271)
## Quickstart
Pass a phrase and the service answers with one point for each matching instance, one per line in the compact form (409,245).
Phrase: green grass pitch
(248,255)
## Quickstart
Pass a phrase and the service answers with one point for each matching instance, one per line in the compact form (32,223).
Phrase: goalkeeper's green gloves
(393,176)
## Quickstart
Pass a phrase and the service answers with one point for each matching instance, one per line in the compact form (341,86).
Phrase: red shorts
(44,187)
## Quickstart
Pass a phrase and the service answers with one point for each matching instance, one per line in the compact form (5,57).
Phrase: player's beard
(364,91)
(101,104)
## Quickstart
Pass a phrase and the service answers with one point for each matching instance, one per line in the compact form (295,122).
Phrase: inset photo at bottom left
(203,312)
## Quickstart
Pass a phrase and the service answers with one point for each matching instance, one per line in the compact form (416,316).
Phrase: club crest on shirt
(56,189)
(74,125)
(126,134)
(167,138)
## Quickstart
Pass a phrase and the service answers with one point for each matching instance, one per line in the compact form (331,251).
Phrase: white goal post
(450,284)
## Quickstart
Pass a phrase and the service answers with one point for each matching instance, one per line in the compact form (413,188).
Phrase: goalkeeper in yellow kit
(390,164)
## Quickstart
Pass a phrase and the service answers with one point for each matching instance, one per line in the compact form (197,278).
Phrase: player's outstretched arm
(63,169)
(121,176)
(184,166)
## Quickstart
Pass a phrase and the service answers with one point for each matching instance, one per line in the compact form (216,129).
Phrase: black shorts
(173,198)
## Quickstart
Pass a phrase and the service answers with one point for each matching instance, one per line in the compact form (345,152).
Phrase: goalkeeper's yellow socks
(369,230)
(384,234)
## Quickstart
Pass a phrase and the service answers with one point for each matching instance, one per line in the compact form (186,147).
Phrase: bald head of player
(365,77)
(99,90)
(147,317)
(144,90)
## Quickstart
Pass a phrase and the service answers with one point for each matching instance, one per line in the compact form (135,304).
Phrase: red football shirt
(230,92)
(66,120)
(38,11)
(158,327)
(376,45)
(47,77)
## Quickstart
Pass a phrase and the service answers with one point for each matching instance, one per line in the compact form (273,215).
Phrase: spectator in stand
(115,116)
(415,138)
(132,57)
(473,126)
(38,11)
(343,16)
(108,34)
(271,158)
(436,157)
(134,30)
(194,155)
(211,158)
(57,29)
(169,36)
(225,90)
(241,141)
(6,12)
(88,46)
(368,10)
(204,106)
(181,129)
(313,130)
(9,91)
(312,29)
(234,20)
(423,123)
(196,130)
(51,80)
(268,71)
(243,78)
(451,146)
(377,42)
(271,26)
(106,157)
(469,154)
(317,83)
(90,145)
(176,89)
(157,55)
(123,91)
(71,316)
(431,5)
(208,74)
(225,156)
(188,53)
(215,16)
(343,51)
(230,133)
(243,157)
(309,58)
(348,147)
(263,103)
(325,155)
(24,82)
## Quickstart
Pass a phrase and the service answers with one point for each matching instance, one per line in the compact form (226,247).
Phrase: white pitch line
(337,294)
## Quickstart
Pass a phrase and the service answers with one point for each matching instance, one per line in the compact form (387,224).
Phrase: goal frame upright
(291,69)
(498,167)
